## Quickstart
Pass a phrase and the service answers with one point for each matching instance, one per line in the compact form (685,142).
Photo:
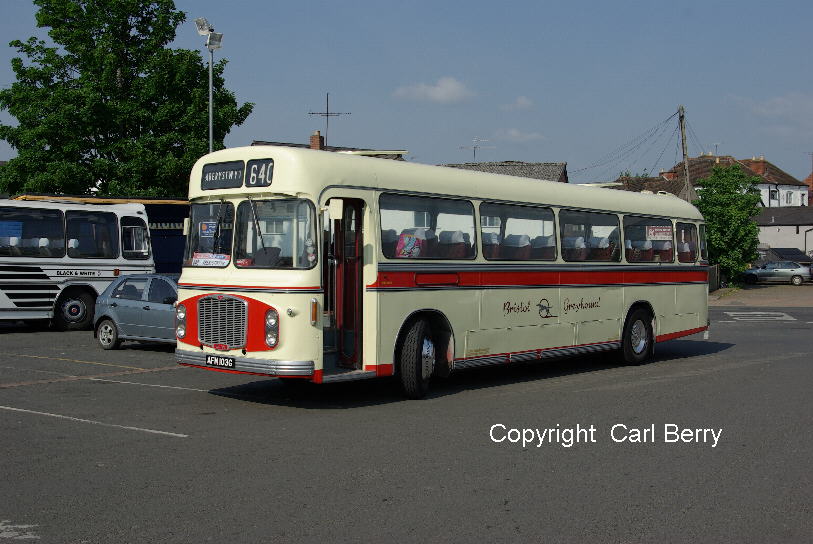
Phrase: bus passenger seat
(543,247)
(43,247)
(451,245)
(267,256)
(662,249)
(600,248)
(14,244)
(416,243)
(389,239)
(685,252)
(516,247)
(491,245)
(73,247)
(574,249)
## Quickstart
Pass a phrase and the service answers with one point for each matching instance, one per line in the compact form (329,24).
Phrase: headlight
(180,331)
(271,328)
(180,311)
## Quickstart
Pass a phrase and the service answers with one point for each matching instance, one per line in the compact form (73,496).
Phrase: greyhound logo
(544,309)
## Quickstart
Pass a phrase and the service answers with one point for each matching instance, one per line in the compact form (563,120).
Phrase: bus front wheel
(638,341)
(74,311)
(417,360)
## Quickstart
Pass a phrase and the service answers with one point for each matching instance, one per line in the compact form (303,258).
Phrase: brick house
(317,142)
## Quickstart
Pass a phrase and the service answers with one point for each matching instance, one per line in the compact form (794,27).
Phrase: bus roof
(308,172)
(80,199)
(131,207)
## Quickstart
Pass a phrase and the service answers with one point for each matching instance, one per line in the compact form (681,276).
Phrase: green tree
(108,105)
(728,200)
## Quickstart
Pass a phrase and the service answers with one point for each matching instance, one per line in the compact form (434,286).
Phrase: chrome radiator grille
(222,320)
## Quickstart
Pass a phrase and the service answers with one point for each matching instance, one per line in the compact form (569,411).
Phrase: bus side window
(686,242)
(589,236)
(517,233)
(134,238)
(426,228)
(647,239)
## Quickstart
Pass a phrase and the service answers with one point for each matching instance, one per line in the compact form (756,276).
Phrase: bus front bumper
(268,367)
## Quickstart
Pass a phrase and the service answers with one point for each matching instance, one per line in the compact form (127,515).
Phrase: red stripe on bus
(210,286)
(381,370)
(540,278)
(679,334)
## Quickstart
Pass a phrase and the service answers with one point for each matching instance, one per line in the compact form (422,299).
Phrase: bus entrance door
(343,283)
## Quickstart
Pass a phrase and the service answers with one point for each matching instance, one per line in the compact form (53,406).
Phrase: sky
(587,83)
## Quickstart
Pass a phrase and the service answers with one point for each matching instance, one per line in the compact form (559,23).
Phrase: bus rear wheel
(417,360)
(637,344)
(74,311)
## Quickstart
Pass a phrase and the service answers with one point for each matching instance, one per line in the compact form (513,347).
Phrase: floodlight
(214,41)
(203,25)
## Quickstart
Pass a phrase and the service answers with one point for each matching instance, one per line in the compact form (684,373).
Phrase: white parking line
(152,431)
(149,385)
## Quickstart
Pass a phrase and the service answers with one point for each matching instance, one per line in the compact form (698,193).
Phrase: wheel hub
(638,337)
(427,358)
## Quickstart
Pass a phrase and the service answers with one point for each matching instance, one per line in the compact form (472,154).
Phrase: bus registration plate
(220,361)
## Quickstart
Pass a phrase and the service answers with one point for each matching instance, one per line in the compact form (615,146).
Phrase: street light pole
(213,41)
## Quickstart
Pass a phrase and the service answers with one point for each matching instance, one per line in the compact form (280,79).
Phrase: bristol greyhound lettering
(568,306)
(522,307)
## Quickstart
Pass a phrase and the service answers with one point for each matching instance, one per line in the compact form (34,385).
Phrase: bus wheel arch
(638,334)
(74,308)
(409,346)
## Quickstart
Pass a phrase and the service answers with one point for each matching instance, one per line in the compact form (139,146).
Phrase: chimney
(762,157)
(317,140)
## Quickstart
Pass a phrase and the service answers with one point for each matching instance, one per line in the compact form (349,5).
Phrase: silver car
(137,307)
(779,271)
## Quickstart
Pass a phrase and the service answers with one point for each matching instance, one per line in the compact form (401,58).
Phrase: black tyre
(74,311)
(637,344)
(797,280)
(750,278)
(417,360)
(107,334)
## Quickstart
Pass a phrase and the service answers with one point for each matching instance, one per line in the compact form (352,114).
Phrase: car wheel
(417,360)
(74,311)
(637,344)
(797,280)
(750,278)
(107,334)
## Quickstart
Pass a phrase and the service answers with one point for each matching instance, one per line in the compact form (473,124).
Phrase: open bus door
(342,279)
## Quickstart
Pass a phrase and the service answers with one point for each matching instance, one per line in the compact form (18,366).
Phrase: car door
(771,271)
(159,312)
(127,299)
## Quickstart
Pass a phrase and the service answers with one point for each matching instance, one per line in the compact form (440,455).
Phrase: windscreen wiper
(216,244)
(256,222)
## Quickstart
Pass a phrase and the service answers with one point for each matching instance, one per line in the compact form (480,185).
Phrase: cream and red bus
(325,266)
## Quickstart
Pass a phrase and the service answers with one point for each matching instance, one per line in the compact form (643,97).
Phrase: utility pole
(682,123)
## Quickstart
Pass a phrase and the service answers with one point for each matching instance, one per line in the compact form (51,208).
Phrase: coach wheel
(417,360)
(107,334)
(74,311)
(797,280)
(638,340)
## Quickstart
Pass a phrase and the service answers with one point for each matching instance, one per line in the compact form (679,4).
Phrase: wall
(798,195)
(786,236)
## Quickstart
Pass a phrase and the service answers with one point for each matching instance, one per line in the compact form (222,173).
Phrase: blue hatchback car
(137,307)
